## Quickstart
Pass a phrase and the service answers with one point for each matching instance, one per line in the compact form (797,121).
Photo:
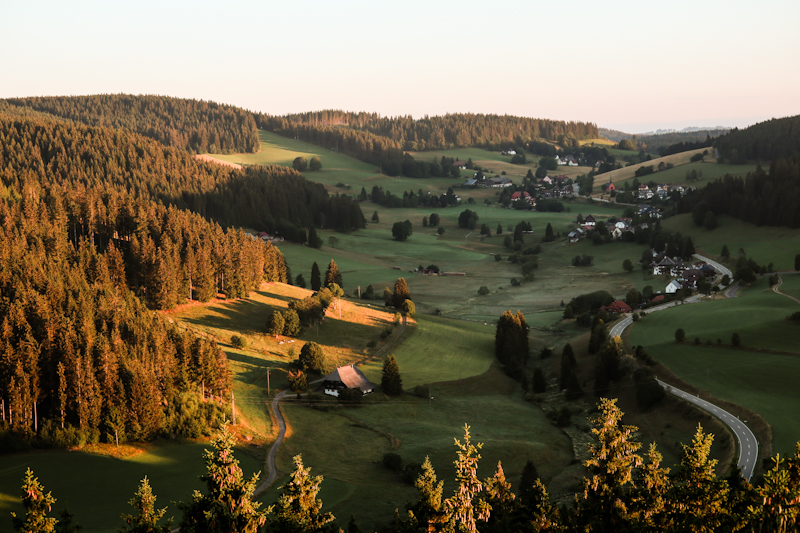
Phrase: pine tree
(37,504)
(332,275)
(465,507)
(313,240)
(428,513)
(500,500)
(316,283)
(228,504)
(146,521)
(391,381)
(300,281)
(527,480)
(298,510)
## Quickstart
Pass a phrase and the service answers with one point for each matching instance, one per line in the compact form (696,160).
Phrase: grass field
(512,430)
(97,488)
(764,244)
(440,349)
(336,167)
(598,142)
(763,382)
(629,172)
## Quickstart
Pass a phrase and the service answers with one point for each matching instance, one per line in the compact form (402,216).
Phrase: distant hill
(765,141)
(666,142)
(194,125)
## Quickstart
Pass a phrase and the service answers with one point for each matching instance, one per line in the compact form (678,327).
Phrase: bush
(238,342)
(350,396)
(312,357)
(680,335)
(297,381)
(393,461)
(484,290)
(515,282)
(635,317)
(372,343)
(736,341)
(409,308)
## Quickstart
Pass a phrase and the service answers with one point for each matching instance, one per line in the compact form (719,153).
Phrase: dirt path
(776,287)
(276,410)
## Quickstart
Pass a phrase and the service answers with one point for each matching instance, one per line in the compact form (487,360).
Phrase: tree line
(197,126)
(271,198)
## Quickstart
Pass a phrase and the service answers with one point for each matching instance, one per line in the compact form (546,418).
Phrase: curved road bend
(748,445)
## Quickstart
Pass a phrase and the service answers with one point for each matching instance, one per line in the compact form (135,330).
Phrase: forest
(95,232)
(197,126)
(765,141)
(763,198)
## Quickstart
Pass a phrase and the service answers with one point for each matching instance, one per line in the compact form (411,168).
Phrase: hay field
(629,172)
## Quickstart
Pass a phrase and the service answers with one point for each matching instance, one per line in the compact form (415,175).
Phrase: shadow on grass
(245,316)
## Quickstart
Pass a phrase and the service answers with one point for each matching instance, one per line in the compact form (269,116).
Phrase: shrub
(484,290)
(372,343)
(736,341)
(411,472)
(635,317)
(409,308)
(393,461)
(680,335)
(350,396)
(238,342)
(297,381)
(697,341)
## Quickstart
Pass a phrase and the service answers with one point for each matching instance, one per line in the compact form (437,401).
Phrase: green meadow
(764,244)
(348,452)
(749,376)
(96,488)
(790,285)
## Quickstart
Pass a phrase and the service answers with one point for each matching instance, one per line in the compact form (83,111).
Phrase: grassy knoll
(440,349)
(764,244)
(513,431)
(97,488)
(761,381)
(625,173)
(600,142)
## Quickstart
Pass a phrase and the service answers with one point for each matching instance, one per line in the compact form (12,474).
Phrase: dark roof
(351,377)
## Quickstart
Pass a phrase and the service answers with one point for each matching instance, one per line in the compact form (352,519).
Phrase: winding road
(748,445)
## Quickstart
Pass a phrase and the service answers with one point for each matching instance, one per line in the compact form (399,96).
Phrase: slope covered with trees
(194,125)
(763,198)
(765,141)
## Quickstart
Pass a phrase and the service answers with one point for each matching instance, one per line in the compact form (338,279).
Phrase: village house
(472,182)
(509,152)
(498,182)
(673,287)
(589,221)
(576,235)
(346,377)
(617,307)
(460,164)
(523,196)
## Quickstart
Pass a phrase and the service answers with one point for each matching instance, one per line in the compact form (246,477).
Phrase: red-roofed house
(617,307)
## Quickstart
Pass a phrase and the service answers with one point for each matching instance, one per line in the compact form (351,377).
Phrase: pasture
(348,452)
(96,488)
(629,172)
(750,376)
(790,285)
(764,244)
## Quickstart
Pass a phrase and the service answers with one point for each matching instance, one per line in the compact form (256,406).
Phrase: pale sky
(632,66)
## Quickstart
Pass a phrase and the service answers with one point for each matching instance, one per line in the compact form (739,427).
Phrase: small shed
(346,377)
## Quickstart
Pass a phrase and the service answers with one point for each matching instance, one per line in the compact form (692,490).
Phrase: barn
(346,377)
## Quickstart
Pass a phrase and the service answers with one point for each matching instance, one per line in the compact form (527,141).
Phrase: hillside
(765,141)
(197,126)
(629,172)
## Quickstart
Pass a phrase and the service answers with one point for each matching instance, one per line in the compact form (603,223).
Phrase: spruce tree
(300,281)
(298,510)
(465,507)
(313,240)
(332,275)
(228,503)
(428,512)
(527,482)
(391,381)
(37,504)
(316,282)
(146,521)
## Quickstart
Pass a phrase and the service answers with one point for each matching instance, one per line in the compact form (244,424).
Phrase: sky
(631,66)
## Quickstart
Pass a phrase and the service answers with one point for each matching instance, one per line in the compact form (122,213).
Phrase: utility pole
(268,369)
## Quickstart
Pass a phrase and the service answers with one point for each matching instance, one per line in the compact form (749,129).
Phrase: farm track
(776,289)
(276,410)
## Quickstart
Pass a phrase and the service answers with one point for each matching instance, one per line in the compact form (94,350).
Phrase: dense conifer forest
(194,125)
(765,141)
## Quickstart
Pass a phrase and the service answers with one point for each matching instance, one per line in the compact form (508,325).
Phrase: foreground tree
(391,381)
(147,517)
(465,507)
(312,357)
(401,293)
(298,510)
(37,504)
(228,503)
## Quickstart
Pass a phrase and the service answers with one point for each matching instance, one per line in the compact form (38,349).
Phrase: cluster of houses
(497,182)
(567,160)
(264,236)
(523,196)
(646,193)
(616,229)
(686,275)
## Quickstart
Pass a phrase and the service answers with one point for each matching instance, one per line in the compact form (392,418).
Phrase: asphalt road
(748,445)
